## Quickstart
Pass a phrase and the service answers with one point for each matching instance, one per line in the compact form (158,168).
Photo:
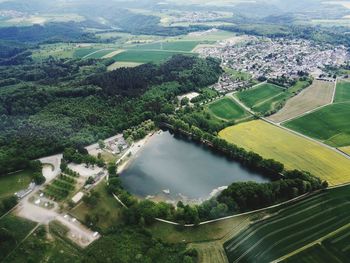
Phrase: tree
(101,144)
(38,178)
(112,169)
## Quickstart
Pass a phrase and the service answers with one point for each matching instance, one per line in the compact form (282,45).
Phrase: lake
(190,171)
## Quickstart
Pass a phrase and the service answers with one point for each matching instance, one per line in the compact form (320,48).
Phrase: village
(264,58)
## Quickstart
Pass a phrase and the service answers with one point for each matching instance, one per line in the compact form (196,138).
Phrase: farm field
(107,209)
(273,142)
(62,187)
(142,56)
(343,91)
(333,249)
(262,98)
(346,149)
(227,109)
(320,93)
(9,184)
(292,228)
(186,46)
(329,124)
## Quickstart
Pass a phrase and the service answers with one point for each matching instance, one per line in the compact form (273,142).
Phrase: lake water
(190,171)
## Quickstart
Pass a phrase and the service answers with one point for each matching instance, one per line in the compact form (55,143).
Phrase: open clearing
(9,184)
(107,209)
(292,228)
(320,93)
(330,124)
(227,109)
(261,98)
(293,151)
(119,64)
(113,53)
(343,91)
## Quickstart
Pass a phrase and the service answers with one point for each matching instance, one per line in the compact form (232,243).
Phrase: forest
(48,106)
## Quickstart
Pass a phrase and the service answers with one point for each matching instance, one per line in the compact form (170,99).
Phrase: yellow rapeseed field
(293,151)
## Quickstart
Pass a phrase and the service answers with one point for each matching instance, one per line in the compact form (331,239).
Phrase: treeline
(48,33)
(250,196)
(321,35)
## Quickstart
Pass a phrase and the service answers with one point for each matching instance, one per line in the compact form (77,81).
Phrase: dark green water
(183,167)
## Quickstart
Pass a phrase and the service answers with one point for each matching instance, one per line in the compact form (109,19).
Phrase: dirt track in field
(319,94)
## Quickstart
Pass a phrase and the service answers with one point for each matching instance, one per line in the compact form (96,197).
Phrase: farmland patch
(343,91)
(329,124)
(227,109)
(292,228)
(293,151)
(320,93)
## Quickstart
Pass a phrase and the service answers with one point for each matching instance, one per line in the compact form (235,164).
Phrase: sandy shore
(124,161)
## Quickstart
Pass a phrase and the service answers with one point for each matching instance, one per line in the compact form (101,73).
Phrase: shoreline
(124,161)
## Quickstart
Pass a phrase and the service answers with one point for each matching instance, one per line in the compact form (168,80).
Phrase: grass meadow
(262,98)
(9,184)
(227,110)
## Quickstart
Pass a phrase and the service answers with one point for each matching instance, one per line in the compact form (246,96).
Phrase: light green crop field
(185,46)
(142,56)
(263,97)
(294,151)
(330,124)
(227,109)
(343,91)
(292,228)
(82,52)
(9,184)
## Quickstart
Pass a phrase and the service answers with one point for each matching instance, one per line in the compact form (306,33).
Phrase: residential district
(262,57)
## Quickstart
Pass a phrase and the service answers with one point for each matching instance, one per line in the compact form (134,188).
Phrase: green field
(329,124)
(107,209)
(267,97)
(142,56)
(14,230)
(292,228)
(343,91)
(185,46)
(333,249)
(9,184)
(227,109)
(262,98)
(39,248)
